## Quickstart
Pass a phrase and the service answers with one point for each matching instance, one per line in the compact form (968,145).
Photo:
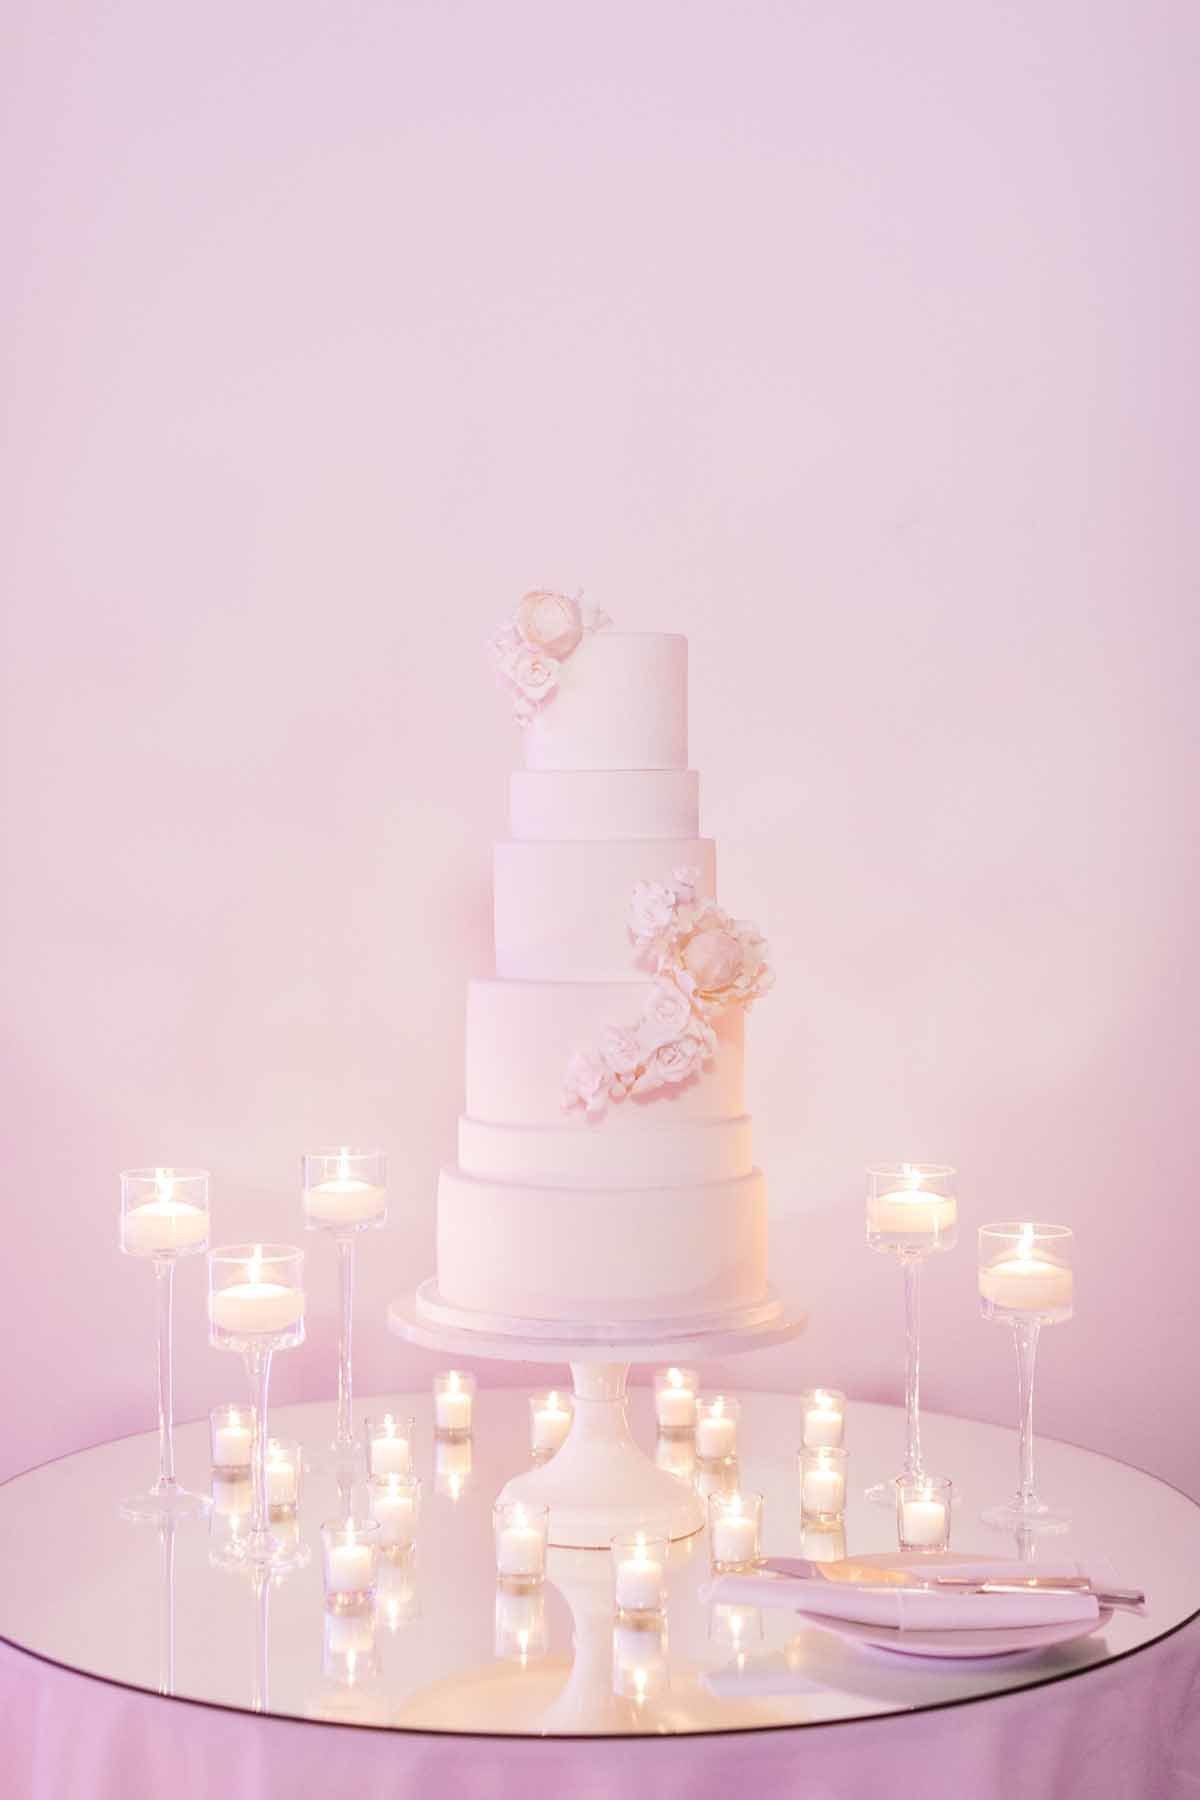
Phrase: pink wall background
(855,341)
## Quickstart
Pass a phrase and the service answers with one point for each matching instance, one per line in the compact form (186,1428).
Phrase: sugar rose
(651,910)
(550,622)
(675,1062)
(534,675)
(714,958)
(667,1015)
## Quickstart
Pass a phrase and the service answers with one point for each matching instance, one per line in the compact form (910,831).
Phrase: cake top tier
(590,697)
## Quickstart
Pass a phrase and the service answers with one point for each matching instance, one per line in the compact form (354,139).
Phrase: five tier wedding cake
(604,1181)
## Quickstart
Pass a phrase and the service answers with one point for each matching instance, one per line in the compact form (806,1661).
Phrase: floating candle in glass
(389,1444)
(639,1564)
(550,1416)
(395,1505)
(231,1436)
(734,1524)
(675,1400)
(350,1553)
(923,1512)
(521,1531)
(716,1427)
(453,1401)
(823,1412)
(823,1483)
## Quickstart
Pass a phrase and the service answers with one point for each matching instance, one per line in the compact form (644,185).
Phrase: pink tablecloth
(1129,1730)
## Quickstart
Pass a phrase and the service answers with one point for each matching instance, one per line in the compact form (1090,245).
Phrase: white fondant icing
(605,803)
(520,1035)
(621,703)
(617,1254)
(675,1153)
(562,908)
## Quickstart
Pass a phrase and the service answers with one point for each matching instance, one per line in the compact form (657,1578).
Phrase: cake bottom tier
(603,1255)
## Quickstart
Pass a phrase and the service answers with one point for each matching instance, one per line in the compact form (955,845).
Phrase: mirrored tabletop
(164,1609)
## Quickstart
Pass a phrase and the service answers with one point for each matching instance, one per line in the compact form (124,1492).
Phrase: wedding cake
(604,1183)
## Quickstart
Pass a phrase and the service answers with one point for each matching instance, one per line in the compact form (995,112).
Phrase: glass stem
(164,1281)
(166,1663)
(258,1368)
(345,1425)
(912,1365)
(262,1624)
(1025,1336)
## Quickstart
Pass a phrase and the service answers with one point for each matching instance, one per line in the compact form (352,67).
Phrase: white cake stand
(599,1483)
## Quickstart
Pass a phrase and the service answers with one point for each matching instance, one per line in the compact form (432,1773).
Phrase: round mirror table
(138,1654)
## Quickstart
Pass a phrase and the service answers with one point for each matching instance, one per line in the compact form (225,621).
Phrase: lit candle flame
(164,1183)
(254,1272)
(343,1167)
(1025,1246)
(675,1378)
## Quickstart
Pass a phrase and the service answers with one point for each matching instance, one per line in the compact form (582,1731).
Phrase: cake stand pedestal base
(600,1483)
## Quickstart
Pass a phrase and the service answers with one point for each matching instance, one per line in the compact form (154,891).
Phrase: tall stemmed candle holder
(912,1213)
(164,1215)
(256,1306)
(1026,1281)
(345,1192)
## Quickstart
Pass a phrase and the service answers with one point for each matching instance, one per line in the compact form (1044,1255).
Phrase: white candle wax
(675,1405)
(349,1569)
(520,1550)
(231,1499)
(281,1482)
(248,1308)
(349,1634)
(390,1455)
(733,1536)
(550,1427)
(924,1521)
(823,1491)
(716,1436)
(823,1427)
(1027,1284)
(912,1212)
(634,1649)
(397,1516)
(163,1225)
(344,1201)
(639,1584)
(231,1446)
(452,1409)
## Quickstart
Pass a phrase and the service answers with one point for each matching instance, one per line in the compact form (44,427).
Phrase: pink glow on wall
(854,342)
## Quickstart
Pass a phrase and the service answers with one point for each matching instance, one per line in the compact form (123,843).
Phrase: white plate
(1010,1640)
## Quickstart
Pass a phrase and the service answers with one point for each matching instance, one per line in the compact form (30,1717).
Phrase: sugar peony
(550,622)
(714,957)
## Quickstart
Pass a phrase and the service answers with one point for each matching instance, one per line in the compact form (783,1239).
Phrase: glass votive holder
(453,1403)
(639,1657)
(521,1535)
(389,1441)
(1025,1272)
(344,1190)
(823,1483)
(350,1560)
(164,1212)
(256,1297)
(675,1401)
(676,1455)
(452,1461)
(734,1528)
(716,1427)
(395,1502)
(823,1543)
(639,1563)
(823,1418)
(520,1624)
(550,1414)
(923,1511)
(231,1440)
(285,1466)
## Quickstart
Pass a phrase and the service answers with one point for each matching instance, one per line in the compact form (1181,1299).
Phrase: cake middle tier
(521,1035)
(562,908)
(601,1256)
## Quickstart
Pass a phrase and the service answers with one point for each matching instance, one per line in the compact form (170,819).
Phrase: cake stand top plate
(406,1321)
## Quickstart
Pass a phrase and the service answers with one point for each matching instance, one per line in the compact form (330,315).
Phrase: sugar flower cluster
(530,648)
(704,961)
